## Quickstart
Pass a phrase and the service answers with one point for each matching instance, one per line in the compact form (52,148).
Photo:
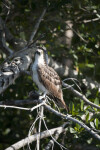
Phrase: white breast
(36,78)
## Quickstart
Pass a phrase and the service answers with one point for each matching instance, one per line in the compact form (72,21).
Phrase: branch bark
(68,117)
(32,138)
(10,71)
(56,136)
(81,96)
(3,45)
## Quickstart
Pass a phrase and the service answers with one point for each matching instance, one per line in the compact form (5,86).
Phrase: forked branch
(33,138)
(66,117)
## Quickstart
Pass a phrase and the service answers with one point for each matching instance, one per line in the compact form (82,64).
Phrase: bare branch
(14,107)
(22,108)
(81,96)
(17,43)
(3,45)
(56,136)
(32,138)
(10,71)
(78,34)
(51,142)
(39,129)
(68,117)
(92,20)
(37,26)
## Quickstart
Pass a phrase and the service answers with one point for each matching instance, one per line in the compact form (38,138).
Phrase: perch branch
(32,138)
(68,117)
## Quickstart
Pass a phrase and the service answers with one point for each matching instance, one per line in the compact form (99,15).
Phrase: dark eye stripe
(45,51)
(37,52)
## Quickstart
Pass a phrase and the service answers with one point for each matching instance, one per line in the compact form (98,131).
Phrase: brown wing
(52,82)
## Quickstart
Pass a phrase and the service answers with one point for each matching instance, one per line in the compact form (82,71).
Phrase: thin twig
(32,129)
(61,146)
(51,142)
(92,20)
(77,34)
(74,80)
(22,108)
(14,107)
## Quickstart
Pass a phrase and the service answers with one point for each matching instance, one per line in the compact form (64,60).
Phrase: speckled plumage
(46,78)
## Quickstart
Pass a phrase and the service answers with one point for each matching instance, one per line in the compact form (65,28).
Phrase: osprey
(46,78)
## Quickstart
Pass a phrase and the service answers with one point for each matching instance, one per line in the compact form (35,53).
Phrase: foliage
(84,55)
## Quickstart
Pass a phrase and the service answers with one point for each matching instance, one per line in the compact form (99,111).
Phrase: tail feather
(61,103)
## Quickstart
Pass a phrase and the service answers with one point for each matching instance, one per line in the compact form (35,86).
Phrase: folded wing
(52,83)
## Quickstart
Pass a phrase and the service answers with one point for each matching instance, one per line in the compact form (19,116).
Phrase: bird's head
(41,55)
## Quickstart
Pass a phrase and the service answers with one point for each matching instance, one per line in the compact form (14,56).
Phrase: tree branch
(37,26)
(68,117)
(41,113)
(22,108)
(3,45)
(92,20)
(81,96)
(78,34)
(10,71)
(56,136)
(32,138)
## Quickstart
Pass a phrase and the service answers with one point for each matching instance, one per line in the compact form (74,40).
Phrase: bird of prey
(46,78)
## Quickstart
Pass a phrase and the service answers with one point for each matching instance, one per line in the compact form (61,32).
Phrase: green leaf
(72,107)
(92,124)
(90,65)
(87,117)
(59,27)
(78,126)
(82,104)
(72,130)
(96,122)
(89,141)
(96,101)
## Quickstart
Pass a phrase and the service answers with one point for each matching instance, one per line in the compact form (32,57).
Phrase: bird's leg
(42,96)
